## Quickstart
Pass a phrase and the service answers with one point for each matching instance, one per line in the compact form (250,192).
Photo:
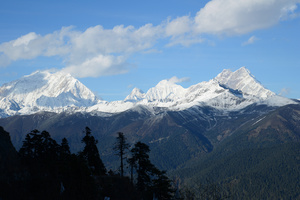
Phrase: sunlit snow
(60,92)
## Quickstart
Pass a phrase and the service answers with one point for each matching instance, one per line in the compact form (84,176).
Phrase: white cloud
(235,17)
(4,60)
(251,40)
(152,51)
(24,47)
(94,52)
(130,86)
(181,32)
(98,51)
(174,79)
(32,45)
(185,41)
(24,40)
(288,11)
(178,26)
(100,65)
(120,40)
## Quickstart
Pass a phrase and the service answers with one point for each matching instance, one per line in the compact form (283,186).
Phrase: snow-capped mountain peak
(59,92)
(135,96)
(43,90)
(243,81)
(164,91)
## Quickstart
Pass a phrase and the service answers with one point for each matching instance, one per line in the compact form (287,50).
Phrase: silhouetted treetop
(91,154)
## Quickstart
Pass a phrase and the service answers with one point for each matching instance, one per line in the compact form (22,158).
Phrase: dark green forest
(239,168)
(259,173)
(44,169)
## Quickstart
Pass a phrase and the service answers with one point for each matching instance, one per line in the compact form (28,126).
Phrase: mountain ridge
(59,92)
(258,143)
(216,129)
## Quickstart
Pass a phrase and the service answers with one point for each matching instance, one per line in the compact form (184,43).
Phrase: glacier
(60,92)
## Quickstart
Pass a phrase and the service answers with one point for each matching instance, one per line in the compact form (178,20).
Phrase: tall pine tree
(162,186)
(91,154)
(150,181)
(120,147)
(64,147)
(143,166)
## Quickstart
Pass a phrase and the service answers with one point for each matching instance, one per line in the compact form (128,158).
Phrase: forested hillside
(44,169)
(251,153)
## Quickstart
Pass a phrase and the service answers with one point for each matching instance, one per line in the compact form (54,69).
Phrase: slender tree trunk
(122,169)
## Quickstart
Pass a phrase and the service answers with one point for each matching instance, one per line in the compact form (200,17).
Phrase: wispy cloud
(103,65)
(174,79)
(251,40)
(284,91)
(98,51)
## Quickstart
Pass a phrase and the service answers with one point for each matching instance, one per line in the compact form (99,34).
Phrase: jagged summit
(244,81)
(135,96)
(59,92)
(229,90)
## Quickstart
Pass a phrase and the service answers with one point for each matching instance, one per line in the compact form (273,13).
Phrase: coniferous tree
(91,154)
(49,147)
(162,186)
(143,166)
(150,180)
(52,172)
(39,154)
(76,182)
(64,147)
(39,146)
(30,147)
(120,147)
(27,149)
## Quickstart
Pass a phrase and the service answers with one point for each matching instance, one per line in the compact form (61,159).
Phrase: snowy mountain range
(221,127)
(59,92)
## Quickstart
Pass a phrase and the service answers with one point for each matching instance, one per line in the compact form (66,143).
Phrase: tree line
(49,170)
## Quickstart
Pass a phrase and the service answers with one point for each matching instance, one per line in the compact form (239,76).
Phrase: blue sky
(114,46)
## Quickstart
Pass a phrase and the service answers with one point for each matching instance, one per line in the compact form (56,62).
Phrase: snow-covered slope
(58,92)
(135,96)
(244,81)
(165,91)
(43,90)
(229,90)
